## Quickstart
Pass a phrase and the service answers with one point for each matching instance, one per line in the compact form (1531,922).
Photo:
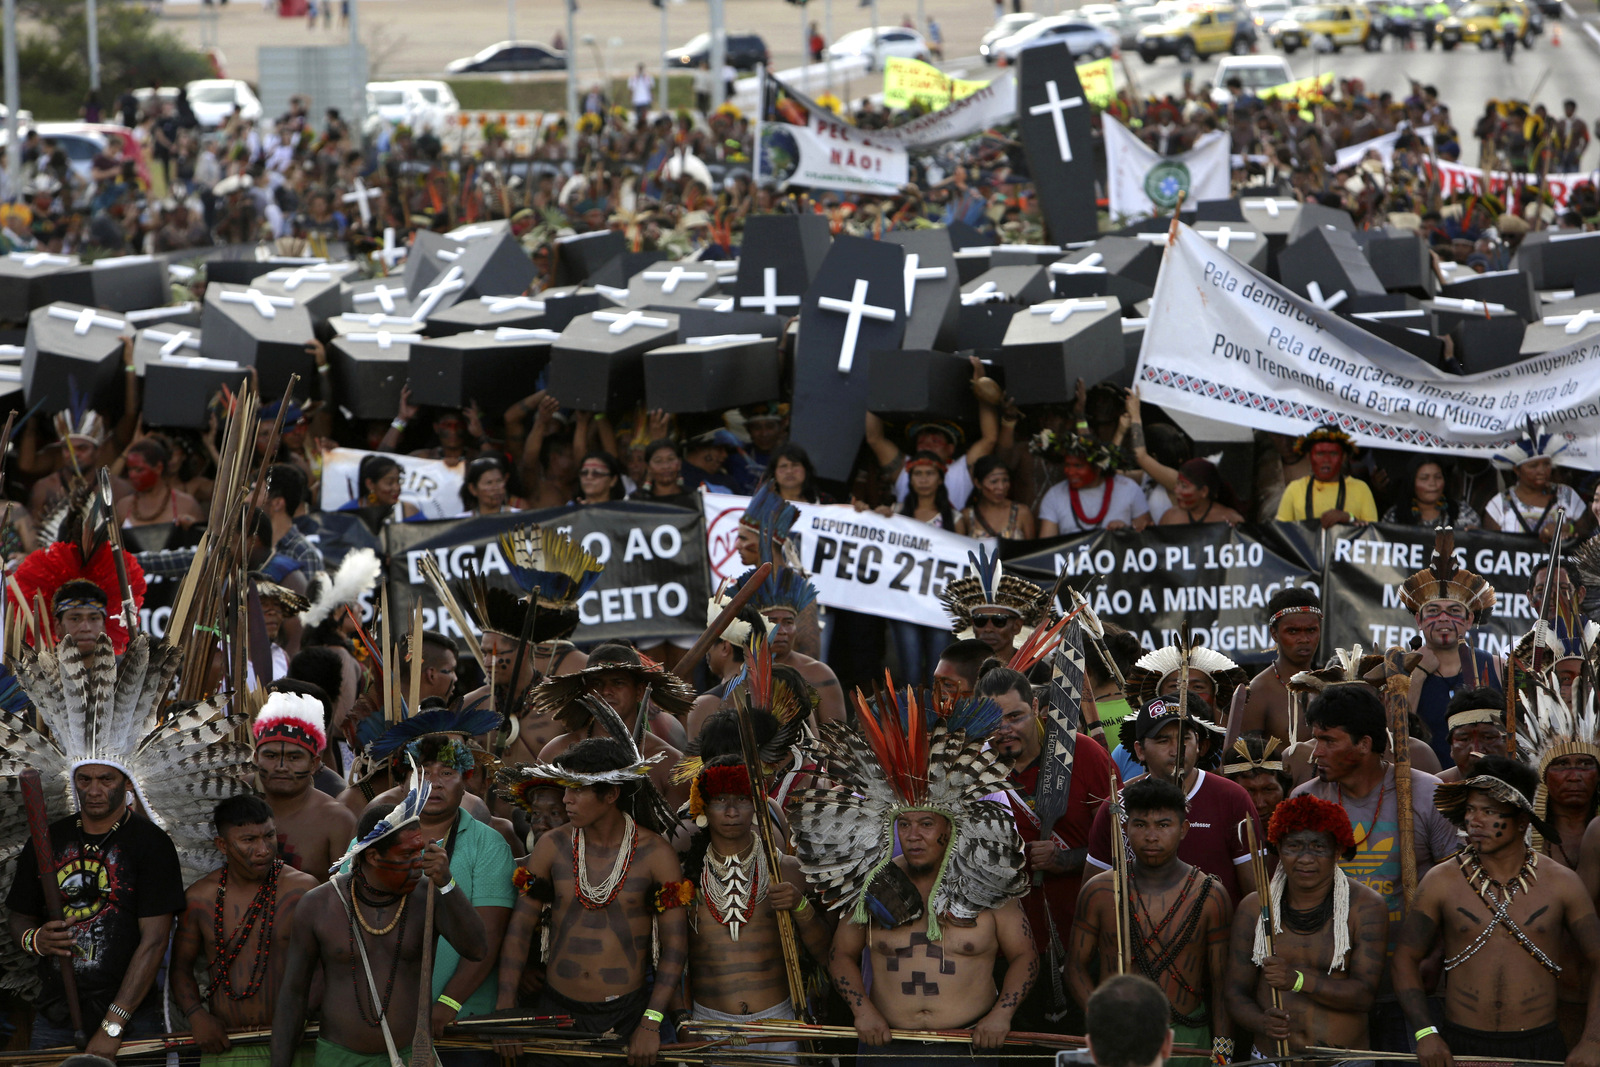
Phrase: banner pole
(761,107)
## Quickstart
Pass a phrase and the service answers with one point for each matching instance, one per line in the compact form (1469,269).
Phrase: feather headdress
(45,570)
(771,517)
(287,599)
(492,608)
(1057,447)
(986,586)
(632,768)
(757,689)
(1324,435)
(406,813)
(357,573)
(784,588)
(554,572)
(1551,727)
(1446,580)
(845,836)
(1345,665)
(1534,444)
(78,420)
(1254,754)
(1586,559)
(1150,674)
(563,695)
(95,708)
(293,718)
(468,722)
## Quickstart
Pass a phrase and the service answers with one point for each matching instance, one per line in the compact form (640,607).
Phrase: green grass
(491,94)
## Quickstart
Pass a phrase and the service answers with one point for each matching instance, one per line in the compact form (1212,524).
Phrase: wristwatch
(112,1029)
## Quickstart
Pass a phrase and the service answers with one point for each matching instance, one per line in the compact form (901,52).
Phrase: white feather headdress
(356,575)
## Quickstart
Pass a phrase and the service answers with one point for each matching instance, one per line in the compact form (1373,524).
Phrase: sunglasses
(997,621)
(594,472)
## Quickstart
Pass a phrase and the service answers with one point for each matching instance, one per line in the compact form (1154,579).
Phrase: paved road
(417,37)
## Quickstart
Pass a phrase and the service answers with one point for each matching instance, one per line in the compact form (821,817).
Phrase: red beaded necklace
(1084,522)
(262,904)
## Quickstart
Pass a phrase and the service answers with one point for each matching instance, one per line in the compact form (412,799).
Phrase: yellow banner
(1303,89)
(908,81)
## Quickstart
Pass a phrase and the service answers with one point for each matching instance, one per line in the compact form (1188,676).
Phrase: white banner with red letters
(1454,179)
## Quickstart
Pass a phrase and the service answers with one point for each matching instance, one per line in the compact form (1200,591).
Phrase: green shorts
(1192,1037)
(254,1056)
(331,1055)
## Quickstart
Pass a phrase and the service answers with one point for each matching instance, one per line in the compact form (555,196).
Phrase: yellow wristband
(1426,1031)
(805,902)
(653,1015)
(1299,980)
(453,1005)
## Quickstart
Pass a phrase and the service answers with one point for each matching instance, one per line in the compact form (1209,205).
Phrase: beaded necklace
(1084,522)
(595,897)
(394,964)
(732,886)
(264,903)
(1480,882)
(1164,963)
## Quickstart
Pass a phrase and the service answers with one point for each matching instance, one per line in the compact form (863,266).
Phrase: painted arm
(523,926)
(844,967)
(1084,944)
(1220,926)
(289,1015)
(1022,970)
(1417,933)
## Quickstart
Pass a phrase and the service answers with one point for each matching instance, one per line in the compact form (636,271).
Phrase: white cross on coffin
(293,279)
(1271,207)
(170,311)
(450,282)
(1314,294)
(1574,323)
(376,319)
(1057,107)
(381,295)
(113,262)
(611,292)
(513,333)
(625,322)
(1223,235)
(85,320)
(390,253)
(1570,236)
(716,303)
(499,305)
(1089,264)
(181,272)
(1468,305)
(171,342)
(1152,238)
(914,272)
(986,293)
(266,306)
(31,260)
(383,338)
(853,309)
(1062,310)
(470,233)
(202,362)
(723,338)
(361,197)
(769,301)
(669,279)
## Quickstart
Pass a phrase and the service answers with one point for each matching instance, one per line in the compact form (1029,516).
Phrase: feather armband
(532,886)
(673,895)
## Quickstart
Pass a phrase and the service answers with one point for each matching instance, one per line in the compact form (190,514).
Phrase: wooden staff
(44,854)
(1258,866)
(1119,873)
(422,1039)
(691,659)
(1396,685)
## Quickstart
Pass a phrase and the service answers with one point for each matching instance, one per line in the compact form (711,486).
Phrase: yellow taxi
(1341,24)
(1204,30)
(1478,22)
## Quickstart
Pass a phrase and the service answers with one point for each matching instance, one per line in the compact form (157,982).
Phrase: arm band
(1427,1031)
(1299,980)
(453,1005)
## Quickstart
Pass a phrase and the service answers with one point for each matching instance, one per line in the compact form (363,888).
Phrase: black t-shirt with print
(133,875)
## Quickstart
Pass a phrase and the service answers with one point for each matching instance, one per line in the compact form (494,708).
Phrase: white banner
(1140,181)
(994,104)
(1350,155)
(1455,179)
(892,567)
(831,155)
(1230,344)
(431,484)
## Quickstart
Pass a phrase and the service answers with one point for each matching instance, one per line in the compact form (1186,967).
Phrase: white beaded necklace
(598,896)
(731,888)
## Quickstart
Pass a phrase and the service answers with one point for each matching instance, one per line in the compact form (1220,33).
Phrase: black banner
(1220,577)
(655,584)
(1367,565)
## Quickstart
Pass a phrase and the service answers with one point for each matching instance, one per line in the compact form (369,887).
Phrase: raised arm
(988,420)
(1163,475)
(887,451)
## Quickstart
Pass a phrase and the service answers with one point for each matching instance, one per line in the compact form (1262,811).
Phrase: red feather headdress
(47,569)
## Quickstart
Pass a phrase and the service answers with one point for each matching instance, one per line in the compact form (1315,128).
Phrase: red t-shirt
(1214,843)
(1091,785)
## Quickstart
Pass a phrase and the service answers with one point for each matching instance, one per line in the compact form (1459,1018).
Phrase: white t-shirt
(1502,512)
(1127,503)
(957,482)
(643,88)
(1155,495)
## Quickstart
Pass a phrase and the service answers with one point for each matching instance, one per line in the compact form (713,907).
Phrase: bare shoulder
(658,854)
(554,747)
(340,817)
(1363,897)
(571,663)
(653,744)
(205,887)
(817,672)
(297,883)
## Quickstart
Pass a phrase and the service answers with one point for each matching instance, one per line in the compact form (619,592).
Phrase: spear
(1397,680)
(44,854)
(1258,866)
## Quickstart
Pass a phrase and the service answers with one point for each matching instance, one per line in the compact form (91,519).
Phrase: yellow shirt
(1358,502)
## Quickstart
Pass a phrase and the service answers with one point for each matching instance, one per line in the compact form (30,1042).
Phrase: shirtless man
(313,828)
(1326,978)
(925,984)
(783,597)
(1477,725)
(377,908)
(736,970)
(1508,993)
(598,970)
(1187,955)
(1294,622)
(617,676)
(252,876)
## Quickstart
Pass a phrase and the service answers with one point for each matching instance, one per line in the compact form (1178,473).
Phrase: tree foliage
(53,58)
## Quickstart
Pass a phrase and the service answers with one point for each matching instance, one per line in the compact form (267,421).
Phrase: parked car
(443,109)
(1266,12)
(1118,18)
(1203,31)
(1254,73)
(81,144)
(1337,24)
(1084,39)
(509,56)
(213,101)
(743,50)
(891,41)
(1004,27)
(1479,23)
(392,104)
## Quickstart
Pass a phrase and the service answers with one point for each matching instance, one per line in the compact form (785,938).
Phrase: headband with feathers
(555,573)
(1534,444)
(45,570)
(784,588)
(987,586)
(1057,447)
(772,517)
(406,813)
(564,696)
(1149,675)
(294,718)
(468,722)
(1446,580)
(757,689)
(1255,754)
(1324,435)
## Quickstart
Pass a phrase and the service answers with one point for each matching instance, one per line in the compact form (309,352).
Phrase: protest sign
(1455,179)
(1227,343)
(911,81)
(986,106)
(832,155)
(1367,565)
(893,567)
(431,484)
(1215,576)
(1141,182)
(1312,88)
(1098,80)
(654,585)
(1350,155)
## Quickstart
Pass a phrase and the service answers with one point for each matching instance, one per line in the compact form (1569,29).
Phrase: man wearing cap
(1327,494)
(1477,725)
(313,827)
(1294,622)
(1501,896)
(280,610)
(942,439)
(704,457)
(362,935)
(1326,954)
(1216,807)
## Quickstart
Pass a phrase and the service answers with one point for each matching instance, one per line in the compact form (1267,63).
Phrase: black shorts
(1542,1043)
